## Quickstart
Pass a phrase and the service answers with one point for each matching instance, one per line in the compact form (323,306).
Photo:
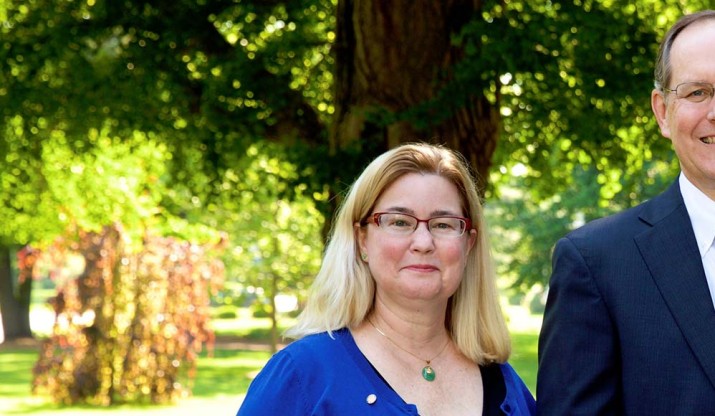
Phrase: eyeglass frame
(675,90)
(374,218)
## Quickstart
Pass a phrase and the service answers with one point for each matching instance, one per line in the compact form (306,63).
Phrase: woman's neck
(410,329)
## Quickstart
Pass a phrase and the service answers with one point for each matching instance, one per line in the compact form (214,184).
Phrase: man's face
(691,125)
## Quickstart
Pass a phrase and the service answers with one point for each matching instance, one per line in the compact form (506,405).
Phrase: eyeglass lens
(695,92)
(398,223)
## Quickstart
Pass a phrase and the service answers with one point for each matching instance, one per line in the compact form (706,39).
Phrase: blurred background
(169,169)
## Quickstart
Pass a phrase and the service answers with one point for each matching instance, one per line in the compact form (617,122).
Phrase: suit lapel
(670,250)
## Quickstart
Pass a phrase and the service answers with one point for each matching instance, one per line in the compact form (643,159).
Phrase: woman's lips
(422,267)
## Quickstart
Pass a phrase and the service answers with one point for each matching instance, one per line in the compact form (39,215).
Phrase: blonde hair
(342,293)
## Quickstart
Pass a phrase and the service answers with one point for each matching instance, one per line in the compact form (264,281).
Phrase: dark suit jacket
(629,327)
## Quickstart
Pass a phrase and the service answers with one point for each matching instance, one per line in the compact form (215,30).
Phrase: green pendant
(428,373)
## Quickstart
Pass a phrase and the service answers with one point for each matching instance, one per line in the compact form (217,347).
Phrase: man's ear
(660,109)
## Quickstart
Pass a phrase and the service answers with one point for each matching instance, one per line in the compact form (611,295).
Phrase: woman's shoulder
(317,352)
(321,338)
(511,377)
(300,371)
(519,399)
(316,345)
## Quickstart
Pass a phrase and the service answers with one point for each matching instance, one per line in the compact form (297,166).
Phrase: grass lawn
(218,389)
(221,379)
(524,328)
(524,357)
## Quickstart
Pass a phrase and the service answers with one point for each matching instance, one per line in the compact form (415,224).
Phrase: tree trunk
(274,313)
(15,307)
(274,292)
(393,56)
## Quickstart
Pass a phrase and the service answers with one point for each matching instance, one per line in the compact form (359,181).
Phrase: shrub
(129,328)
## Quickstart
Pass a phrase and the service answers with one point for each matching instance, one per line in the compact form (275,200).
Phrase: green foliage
(194,118)
(225,312)
(208,77)
(203,79)
(114,180)
(128,329)
(526,224)
(572,81)
(274,223)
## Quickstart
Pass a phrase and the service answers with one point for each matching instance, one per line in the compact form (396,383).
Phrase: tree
(557,90)
(553,86)
(130,327)
(388,77)
(275,227)
(203,84)
(15,299)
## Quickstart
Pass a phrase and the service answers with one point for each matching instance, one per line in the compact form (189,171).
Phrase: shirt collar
(701,210)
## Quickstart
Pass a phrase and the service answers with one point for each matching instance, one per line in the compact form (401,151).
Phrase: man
(629,327)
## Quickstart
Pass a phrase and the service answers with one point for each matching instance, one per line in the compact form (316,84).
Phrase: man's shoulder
(632,219)
(613,222)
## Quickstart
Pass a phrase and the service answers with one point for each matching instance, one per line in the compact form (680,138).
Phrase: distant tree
(130,327)
(275,224)
(15,293)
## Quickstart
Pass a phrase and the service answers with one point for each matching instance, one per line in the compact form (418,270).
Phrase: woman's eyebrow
(436,213)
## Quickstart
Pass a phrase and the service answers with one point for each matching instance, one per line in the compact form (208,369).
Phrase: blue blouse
(320,375)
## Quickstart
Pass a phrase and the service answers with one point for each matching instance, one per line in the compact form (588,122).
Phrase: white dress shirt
(701,210)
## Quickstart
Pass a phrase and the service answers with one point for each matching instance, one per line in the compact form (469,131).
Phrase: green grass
(221,380)
(524,357)
(16,371)
(220,383)
(249,327)
(228,372)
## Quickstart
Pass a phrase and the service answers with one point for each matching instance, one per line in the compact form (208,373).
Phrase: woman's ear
(472,239)
(360,237)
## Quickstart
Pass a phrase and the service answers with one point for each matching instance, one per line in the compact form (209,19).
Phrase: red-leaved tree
(130,326)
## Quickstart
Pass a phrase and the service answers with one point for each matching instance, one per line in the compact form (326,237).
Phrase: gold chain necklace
(427,371)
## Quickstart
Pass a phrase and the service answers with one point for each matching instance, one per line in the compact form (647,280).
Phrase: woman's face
(416,266)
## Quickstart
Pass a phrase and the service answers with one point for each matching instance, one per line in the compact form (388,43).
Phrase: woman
(403,317)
